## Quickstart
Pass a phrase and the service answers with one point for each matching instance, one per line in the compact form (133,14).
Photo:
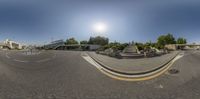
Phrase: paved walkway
(133,65)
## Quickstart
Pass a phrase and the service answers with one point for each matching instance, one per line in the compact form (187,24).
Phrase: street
(66,75)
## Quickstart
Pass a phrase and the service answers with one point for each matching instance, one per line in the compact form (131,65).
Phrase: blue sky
(40,21)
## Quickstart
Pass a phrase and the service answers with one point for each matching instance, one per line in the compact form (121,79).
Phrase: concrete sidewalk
(133,65)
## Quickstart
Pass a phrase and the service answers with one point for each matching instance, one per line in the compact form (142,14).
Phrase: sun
(100,27)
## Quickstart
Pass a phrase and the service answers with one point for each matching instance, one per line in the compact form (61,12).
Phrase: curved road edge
(150,74)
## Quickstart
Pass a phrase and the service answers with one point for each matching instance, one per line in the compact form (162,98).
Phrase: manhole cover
(173,71)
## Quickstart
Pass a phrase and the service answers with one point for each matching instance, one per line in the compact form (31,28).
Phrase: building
(60,45)
(79,47)
(54,44)
(13,44)
(4,46)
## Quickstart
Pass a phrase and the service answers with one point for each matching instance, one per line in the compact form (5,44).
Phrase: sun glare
(100,27)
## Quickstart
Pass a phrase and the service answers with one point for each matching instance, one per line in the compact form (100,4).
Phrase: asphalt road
(66,75)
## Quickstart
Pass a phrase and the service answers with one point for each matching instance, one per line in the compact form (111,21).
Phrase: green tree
(161,42)
(169,38)
(84,42)
(140,46)
(98,40)
(71,41)
(181,41)
(124,45)
(115,45)
(165,39)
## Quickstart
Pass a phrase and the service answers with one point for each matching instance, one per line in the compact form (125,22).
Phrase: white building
(13,44)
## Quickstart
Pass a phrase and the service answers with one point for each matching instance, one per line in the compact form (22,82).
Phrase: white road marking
(47,59)
(20,61)
(24,61)
(94,63)
(131,77)
(30,53)
(177,57)
(43,60)
(7,56)
(196,52)
(159,86)
(91,61)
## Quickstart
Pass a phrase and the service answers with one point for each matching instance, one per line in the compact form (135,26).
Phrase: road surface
(66,75)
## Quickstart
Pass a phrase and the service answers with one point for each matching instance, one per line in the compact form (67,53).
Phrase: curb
(134,74)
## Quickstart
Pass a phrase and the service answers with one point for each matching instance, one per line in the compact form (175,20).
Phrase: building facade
(54,44)
(13,44)
(60,45)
